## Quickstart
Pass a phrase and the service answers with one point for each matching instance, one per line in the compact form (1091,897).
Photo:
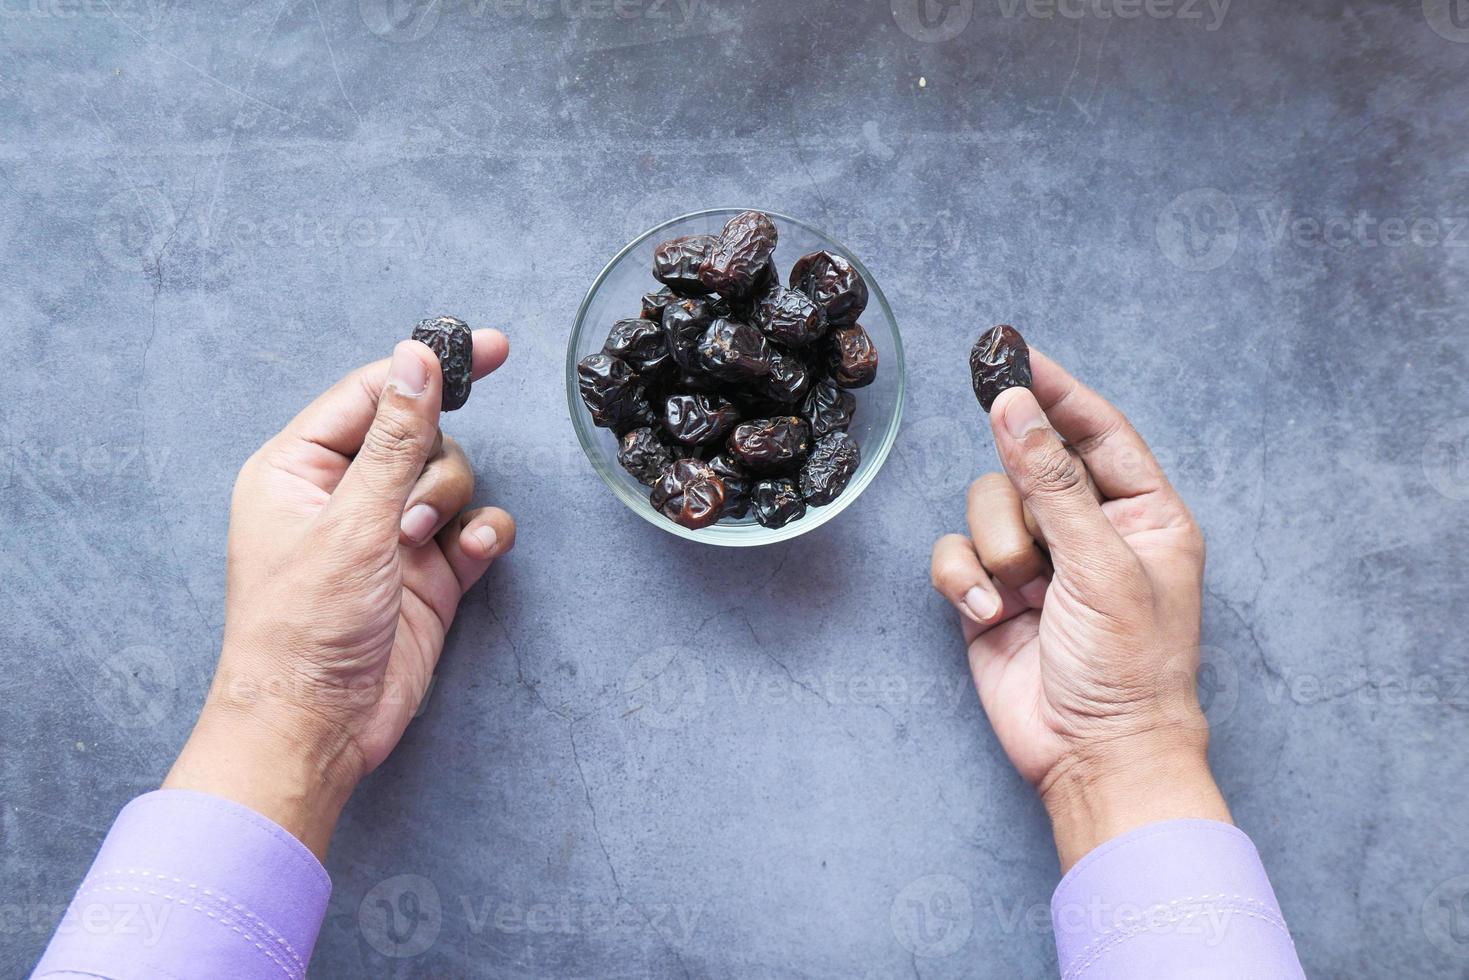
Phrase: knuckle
(947,574)
(1054,472)
(459,484)
(393,434)
(987,485)
(1013,563)
(942,559)
(1094,441)
(1193,540)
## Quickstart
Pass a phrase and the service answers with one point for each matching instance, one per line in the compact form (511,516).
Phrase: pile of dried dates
(730,391)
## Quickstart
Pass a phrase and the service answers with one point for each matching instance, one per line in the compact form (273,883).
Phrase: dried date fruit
(644,455)
(684,322)
(729,391)
(851,358)
(739,256)
(655,303)
(829,468)
(611,391)
(833,283)
(828,409)
(693,419)
(738,485)
(766,279)
(787,382)
(734,351)
(790,317)
(778,502)
(771,445)
(689,493)
(642,345)
(999,360)
(453,344)
(676,263)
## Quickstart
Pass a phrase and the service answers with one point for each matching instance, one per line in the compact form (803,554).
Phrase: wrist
(1096,795)
(285,765)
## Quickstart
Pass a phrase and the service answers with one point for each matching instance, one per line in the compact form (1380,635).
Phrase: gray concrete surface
(210,211)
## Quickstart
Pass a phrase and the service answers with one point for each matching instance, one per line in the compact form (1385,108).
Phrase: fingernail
(420,522)
(1022,412)
(1034,591)
(408,373)
(981,604)
(486,537)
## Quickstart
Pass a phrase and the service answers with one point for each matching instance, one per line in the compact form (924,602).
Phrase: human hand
(348,555)
(1085,663)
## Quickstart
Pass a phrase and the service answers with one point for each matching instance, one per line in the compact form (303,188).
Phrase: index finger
(340,418)
(1115,455)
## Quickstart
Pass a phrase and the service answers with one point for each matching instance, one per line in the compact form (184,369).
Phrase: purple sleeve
(191,885)
(1183,898)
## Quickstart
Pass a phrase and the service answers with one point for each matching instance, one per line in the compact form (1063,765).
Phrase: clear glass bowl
(616,294)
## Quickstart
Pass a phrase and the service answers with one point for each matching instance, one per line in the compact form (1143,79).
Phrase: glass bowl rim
(816,516)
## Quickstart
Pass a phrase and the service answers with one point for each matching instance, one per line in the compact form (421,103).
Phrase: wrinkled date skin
(642,345)
(611,391)
(644,455)
(790,317)
(738,259)
(788,380)
(999,360)
(738,485)
(689,493)
(851,358)
(778,502)
(694,419)
(734,351)
(833,284)
(676,263)
(451,341)
(655,303)
(828,409)
(829,468)
(771,445)
(684,322)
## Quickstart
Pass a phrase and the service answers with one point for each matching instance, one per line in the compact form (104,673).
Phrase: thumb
(1053,484)
(375,487)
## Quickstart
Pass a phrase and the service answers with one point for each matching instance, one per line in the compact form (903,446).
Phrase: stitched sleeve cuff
(191,885)
(1183,898)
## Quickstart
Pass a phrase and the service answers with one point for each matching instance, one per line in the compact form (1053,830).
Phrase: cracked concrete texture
(645,758)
